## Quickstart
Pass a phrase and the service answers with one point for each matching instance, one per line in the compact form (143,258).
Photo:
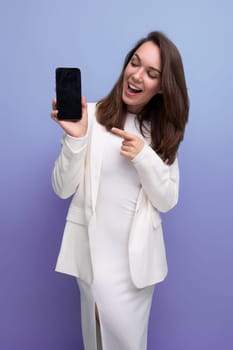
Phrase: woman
(120,165)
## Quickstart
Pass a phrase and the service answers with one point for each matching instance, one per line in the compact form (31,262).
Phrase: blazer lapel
(98,138)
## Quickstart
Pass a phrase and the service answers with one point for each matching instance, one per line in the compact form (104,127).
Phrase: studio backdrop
(39,308)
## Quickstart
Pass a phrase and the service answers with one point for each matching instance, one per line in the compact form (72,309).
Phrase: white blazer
(77,174)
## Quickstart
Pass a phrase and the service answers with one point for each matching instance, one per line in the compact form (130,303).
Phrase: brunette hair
(167,112)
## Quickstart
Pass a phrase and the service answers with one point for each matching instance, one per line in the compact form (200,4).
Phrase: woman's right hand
(72,128)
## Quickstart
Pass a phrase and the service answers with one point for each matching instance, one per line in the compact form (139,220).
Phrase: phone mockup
(68,91)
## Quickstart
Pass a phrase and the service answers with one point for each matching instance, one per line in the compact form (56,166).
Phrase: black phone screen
(68,91)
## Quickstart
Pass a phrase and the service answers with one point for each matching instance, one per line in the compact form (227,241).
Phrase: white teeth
(134,87)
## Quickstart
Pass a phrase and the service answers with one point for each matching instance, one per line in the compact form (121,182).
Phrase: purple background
(39,309)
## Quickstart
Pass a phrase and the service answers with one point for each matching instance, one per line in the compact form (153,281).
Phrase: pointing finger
(125,135)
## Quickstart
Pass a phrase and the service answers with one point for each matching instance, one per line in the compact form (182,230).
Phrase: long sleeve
(69,166)
(159,180)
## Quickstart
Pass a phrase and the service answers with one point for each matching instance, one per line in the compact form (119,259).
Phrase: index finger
(124,134)
(54,104)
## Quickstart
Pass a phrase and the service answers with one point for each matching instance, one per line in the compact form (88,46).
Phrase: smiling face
(142,77)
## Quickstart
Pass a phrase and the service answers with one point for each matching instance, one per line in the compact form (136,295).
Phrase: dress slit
(98,329)
(91,328)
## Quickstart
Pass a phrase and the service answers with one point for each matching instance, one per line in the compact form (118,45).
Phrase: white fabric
(76,173)
(123,308)
(122,244)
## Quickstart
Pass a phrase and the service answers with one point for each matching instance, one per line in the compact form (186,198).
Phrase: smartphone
(68,91)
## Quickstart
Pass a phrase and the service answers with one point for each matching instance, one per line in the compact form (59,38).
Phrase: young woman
(119,162)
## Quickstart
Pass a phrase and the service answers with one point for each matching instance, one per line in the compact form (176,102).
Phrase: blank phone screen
(68,91)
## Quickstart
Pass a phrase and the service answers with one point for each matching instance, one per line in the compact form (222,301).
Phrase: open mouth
(133,88)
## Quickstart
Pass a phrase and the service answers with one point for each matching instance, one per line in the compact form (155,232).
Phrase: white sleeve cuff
(75,143)
(141,154)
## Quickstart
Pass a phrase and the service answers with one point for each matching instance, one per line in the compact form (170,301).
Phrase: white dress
(123,309)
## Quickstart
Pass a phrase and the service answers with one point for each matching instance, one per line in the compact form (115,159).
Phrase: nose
(138,74)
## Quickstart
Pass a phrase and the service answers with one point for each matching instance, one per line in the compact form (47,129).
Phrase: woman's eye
(152,75)
(134,64)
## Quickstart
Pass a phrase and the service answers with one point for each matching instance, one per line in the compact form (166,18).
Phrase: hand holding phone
(71,127)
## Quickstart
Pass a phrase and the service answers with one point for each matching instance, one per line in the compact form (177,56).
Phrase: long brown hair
(167,112)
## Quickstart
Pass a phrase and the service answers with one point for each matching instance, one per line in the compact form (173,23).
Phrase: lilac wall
(39,308)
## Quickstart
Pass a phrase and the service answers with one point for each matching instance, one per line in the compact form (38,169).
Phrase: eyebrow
(153,68)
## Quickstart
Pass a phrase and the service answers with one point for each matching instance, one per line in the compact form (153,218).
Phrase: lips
(132,89)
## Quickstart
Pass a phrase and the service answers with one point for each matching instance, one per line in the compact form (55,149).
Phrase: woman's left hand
(131,144)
